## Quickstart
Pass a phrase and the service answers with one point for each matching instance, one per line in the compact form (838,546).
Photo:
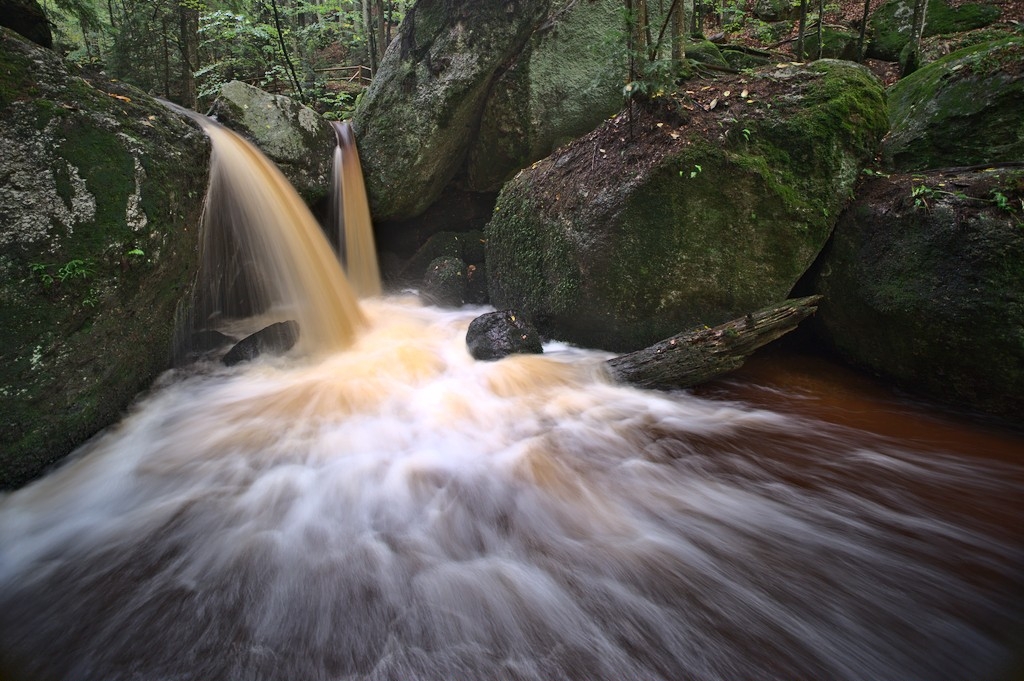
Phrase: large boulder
(471,92)
(922,284)
(963,109)
(416,121)
(670,218)
(26,18)
(891,23)
(296,138)
(563,83)
(97,245)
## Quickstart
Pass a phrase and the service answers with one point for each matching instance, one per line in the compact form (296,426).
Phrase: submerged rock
(293,136)
(97,246)
(499,334)
(922,283)
(275,339)
(673,218)
(963,109)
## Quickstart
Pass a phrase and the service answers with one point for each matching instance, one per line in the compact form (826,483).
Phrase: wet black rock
(498,334)
(277,339)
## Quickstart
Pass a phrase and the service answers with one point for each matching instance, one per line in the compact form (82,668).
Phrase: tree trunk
(188,23)
(698,356)
(284,52)
(800,31)
(863,30)
(371,35)
(166,54)
(643,29)
(821,24)
(679,33)
(916,33)
(382,38)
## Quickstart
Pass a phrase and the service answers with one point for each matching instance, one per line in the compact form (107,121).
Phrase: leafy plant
(921,194)
(40,270)
(78,268)
(1006,204)
(75,269)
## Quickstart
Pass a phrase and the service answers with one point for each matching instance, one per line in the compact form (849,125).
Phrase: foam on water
(399,511)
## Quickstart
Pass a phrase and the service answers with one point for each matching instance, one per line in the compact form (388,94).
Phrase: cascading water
(397,510)
(263,252)
(353,226)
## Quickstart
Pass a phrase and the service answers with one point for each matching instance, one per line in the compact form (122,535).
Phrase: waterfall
(385,507)
(261,251)
(351,213)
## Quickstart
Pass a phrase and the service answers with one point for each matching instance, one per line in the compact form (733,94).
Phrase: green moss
(15,82)
(941,18)
(891,23)
(962,109)
(540,257)
(705,52)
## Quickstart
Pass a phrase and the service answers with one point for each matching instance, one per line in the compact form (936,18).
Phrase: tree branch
(697,356)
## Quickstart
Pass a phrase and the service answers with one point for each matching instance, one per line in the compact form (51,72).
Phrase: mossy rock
(775,10)
(963,109)
(563,84)
(417,120)
(293,136)
(705,52)
(936,47)
(97,247)
(837,43)
(891,23)
(466,246)
(26,18)
(444,283)
(922,285)
(742,60)
(667,219)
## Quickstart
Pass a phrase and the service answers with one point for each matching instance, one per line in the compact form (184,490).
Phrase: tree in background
(184,50)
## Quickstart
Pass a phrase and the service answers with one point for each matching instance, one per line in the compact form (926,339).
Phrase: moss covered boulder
(923,285)
(963,109)
(293,136)
(562,85)
(102,190)
(418,118)
(891,23)
(691,212)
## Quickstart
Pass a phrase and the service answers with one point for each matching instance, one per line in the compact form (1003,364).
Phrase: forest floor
(707,105)
(847,13)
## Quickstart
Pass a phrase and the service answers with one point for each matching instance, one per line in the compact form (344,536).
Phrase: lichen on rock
(96,250)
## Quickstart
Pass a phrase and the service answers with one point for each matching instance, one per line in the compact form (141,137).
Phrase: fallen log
(697,356)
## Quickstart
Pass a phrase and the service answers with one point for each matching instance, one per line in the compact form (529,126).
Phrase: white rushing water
(399,511)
